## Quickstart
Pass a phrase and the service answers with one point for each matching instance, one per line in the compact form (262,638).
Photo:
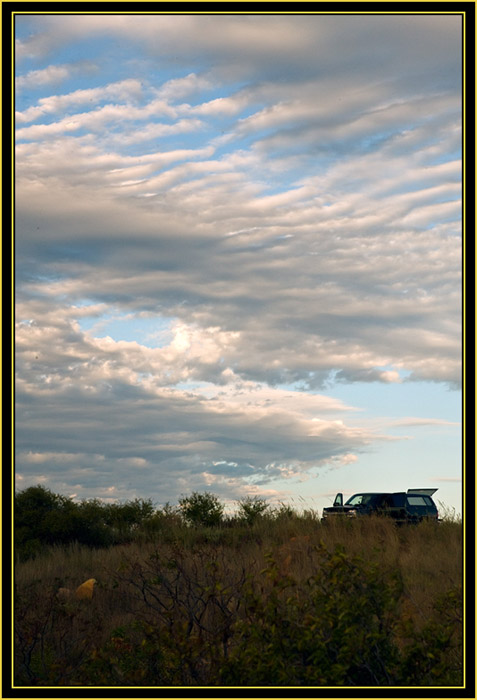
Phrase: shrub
(123,517)
(433,654)
(193,613)
(335,630)
(167,522)
(52,639)
(43,518)
(202,509)
(37,516)
(251,509)
(284,512)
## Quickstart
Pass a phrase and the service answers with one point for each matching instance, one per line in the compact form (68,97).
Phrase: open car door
(426,492)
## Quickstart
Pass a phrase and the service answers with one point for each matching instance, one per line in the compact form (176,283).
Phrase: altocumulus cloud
(282,215)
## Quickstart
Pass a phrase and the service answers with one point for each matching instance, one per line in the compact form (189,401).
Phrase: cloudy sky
(238,255)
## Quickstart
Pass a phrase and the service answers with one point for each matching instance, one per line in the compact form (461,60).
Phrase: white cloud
(123,90)
(178,88)
(229,106)
(294,207)
(45,76)
(418,422)
(154,131)
(89,371)
(96,119)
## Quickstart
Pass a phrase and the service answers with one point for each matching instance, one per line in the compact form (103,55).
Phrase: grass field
(284,601)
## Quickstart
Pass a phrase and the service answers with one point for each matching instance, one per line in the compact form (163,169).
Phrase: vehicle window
(355,500)
(360,499)
(398,499)
(382,502)
(417,501)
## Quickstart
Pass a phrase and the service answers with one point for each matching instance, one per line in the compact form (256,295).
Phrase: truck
(411,506)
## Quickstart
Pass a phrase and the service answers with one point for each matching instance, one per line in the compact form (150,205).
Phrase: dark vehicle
(404,507)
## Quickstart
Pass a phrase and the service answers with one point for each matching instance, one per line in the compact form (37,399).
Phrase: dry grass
(428,557)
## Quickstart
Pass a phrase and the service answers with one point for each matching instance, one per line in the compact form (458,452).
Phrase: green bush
(335,630)
(340,627)
(284,512)
(36,511)
(433,654)
(166,522)
(203,614)
(251,509)
(202,509)
(43,518)
(344,628)
(124,517)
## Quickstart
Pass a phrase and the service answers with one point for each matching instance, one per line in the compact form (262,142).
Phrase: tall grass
(182,595)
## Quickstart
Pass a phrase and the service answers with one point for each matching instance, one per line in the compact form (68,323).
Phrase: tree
(251,509)
(202,509)
(34,507)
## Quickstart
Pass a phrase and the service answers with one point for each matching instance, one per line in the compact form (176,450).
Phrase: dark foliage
(43,518)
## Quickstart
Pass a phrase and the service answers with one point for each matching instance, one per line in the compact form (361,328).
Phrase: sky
(238,255)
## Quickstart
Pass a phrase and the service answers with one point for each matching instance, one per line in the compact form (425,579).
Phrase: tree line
(43,518)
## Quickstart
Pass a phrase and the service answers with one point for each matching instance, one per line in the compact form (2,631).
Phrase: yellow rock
(85,591)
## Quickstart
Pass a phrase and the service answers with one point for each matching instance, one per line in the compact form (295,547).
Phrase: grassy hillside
(276,599)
